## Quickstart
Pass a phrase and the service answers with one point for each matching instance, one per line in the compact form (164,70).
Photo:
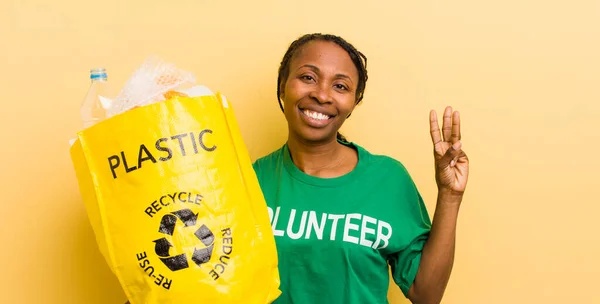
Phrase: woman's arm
(437,258)
(451,174)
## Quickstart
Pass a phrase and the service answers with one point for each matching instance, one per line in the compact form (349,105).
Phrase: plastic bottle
(97,100)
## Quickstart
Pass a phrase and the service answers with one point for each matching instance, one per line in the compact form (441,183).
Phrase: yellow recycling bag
(176,206)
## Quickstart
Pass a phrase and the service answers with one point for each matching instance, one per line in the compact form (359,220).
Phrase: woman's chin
(316,136)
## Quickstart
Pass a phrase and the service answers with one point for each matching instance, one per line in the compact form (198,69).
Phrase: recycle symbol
(167,226)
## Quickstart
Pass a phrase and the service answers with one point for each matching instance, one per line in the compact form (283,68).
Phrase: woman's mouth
(315,119)
(316,115)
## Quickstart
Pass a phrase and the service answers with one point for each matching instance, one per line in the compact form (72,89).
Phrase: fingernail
(457,145)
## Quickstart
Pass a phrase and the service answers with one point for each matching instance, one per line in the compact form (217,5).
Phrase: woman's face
(320,91)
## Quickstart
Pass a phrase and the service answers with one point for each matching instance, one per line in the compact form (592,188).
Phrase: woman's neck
(326,159)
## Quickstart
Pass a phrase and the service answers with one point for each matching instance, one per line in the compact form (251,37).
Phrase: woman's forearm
(437,258)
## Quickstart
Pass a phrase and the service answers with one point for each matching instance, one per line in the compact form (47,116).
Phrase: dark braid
(358,58)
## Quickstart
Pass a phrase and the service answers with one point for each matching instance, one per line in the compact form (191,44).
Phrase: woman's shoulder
(382,163)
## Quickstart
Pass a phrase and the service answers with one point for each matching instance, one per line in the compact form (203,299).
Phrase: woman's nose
(321,93)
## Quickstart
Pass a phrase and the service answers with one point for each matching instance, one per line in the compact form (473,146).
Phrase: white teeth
(316,115)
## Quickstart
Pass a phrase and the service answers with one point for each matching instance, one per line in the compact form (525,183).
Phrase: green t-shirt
(336,237)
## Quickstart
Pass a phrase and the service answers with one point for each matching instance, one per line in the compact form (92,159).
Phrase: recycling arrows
(162,247)
(167,226)
(187,217)
(168,221)
(207,238)
(202,256)
(175,263)
(205,235)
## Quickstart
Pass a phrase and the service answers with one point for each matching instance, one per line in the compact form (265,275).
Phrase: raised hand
(451,162)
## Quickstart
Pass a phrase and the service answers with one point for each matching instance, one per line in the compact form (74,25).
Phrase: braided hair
(358,58)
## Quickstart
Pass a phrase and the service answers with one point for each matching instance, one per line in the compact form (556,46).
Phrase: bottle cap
(98,73)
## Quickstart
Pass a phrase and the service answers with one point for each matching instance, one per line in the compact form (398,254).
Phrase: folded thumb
(451,154)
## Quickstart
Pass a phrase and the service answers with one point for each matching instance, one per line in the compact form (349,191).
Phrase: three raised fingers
(450,127)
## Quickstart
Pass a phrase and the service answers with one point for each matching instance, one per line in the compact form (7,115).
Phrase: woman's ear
(281,91)
(281,96)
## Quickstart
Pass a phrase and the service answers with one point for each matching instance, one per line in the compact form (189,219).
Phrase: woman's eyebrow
(316,70)
(310,66)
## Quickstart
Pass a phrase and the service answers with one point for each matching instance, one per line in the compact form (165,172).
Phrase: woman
(340,214)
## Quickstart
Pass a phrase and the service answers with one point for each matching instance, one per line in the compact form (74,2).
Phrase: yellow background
(524,75)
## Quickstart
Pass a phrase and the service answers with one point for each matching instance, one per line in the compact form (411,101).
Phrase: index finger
(434,128)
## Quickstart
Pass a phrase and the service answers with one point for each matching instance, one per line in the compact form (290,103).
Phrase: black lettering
(226,231)
(181,200)
(155,206)
(159,279)
(224,257)
(227,240)
(194,142)
(173,197)
(151,270)
(225,248)
(198,199)
(167,283)
(141,256)
(221,266)
(201,141)
(150,211)
(127,169)
(147,157)
(179,137)
(214,275)
(189,200)
(115,165)
(144,263)
(161,202)
(163,149)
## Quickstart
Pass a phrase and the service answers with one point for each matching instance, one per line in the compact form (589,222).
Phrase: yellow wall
(524,74)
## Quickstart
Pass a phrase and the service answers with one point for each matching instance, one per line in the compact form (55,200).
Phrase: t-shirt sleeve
(405,262)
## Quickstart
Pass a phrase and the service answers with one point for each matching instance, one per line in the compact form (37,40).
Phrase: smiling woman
(308,72)
(341,215)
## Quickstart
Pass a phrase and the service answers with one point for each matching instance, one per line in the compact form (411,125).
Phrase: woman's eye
(341,87)
(307,77)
